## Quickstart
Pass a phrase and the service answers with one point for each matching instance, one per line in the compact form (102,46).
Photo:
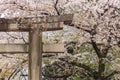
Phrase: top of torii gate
(47,23)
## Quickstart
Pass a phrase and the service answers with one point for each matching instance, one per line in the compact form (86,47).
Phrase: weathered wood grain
(48,23)
(24,48)
(35,55)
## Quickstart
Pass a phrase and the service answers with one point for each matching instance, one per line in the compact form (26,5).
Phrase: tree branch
(57,76)
(90,71)
(97,50)
(55,6)
(111,74)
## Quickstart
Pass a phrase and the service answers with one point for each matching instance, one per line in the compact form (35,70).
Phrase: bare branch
(55,6)
(85,67)
(111,74)
(97,50)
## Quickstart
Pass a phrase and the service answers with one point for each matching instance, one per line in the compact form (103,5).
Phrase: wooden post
(35,56)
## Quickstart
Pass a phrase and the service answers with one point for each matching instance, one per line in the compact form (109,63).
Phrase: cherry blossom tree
(99,22)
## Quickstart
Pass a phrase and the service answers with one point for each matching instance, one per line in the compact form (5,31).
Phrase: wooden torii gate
(35,26)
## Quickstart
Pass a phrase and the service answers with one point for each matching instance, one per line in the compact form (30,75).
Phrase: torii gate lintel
(48,23)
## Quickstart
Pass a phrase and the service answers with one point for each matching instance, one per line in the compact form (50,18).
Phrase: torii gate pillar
(35,56)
